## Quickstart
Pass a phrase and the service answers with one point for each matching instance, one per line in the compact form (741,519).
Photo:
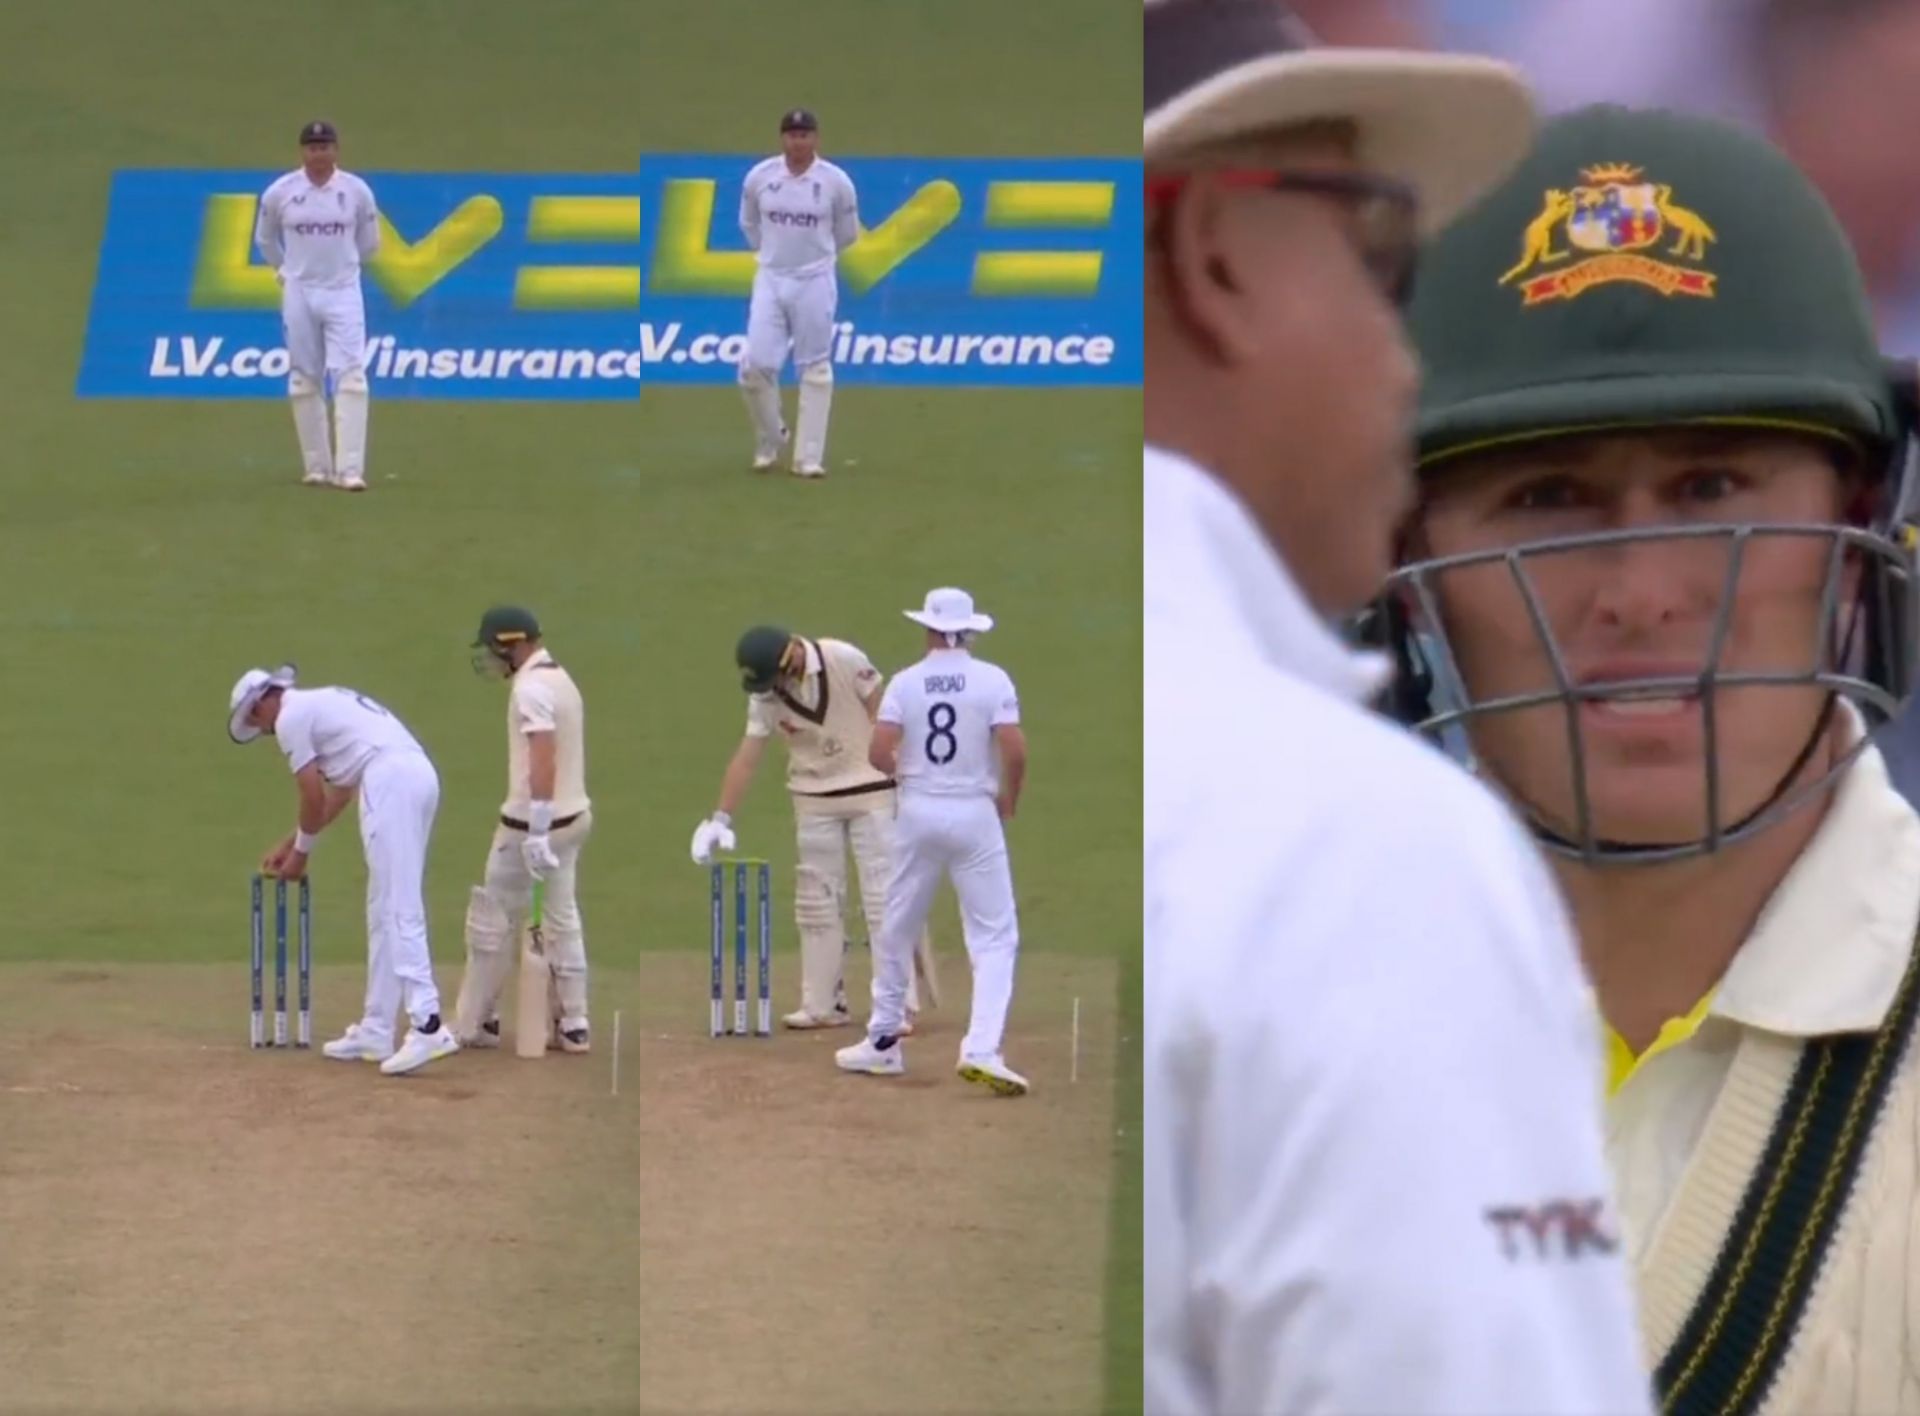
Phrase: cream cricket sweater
(1828,957)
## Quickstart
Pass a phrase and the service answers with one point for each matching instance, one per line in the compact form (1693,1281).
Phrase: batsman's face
(1295,367)
(1641,608)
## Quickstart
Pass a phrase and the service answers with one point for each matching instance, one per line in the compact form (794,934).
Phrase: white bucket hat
(247,692)
(1448,125)
(950,611)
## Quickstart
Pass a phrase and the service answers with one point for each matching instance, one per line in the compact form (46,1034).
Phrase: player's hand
(708,836)
(1006,805)
(271,861)
(537,851)
(293,865)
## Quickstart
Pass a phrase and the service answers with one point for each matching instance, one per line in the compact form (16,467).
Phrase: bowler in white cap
(342,746)
(948,731)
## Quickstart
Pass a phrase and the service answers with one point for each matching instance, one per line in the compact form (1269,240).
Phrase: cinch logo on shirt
(1556,1229)
(793,218)
(320,228)
(946,683)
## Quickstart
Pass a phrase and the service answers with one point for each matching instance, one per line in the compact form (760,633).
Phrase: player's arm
(883,752)
(1012,744)
(266,232)
(337,801)
(366,231)
(846,218)
(739,774)
(313,818)
(541,754)
(750,214)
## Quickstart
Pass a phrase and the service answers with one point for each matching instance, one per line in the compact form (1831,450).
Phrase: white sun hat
(1448,125)
(247,692)
(950,611)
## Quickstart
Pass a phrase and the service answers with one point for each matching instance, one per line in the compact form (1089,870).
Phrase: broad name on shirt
(945,683)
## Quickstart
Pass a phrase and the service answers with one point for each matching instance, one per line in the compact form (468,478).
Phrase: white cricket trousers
(399,796)
(960,838)
(325,326)
(791,312)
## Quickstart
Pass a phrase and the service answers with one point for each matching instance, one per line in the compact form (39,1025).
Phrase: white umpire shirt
(1374,1174)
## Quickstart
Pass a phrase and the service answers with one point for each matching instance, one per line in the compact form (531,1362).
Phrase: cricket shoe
(803,1021)
(575,1039)
(351,482)
(765,456)
(868,1056)
(808,469)
(357,1045)
(316,478)
(993,1074)
(420,1048)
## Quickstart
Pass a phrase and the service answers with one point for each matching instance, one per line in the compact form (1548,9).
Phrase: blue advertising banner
(969,271)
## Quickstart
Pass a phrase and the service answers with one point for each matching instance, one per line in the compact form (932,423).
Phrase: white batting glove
(537,851)
(715,832)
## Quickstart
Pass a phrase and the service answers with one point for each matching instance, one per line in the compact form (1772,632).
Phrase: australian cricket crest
(1612,227)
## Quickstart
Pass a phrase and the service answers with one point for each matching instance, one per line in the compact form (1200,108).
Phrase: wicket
(257,1022)
(716,1020)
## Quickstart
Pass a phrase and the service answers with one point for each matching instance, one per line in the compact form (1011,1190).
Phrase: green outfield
(153,550)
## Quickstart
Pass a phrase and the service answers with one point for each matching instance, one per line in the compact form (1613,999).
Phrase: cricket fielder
(342,746)
(940,727)
(544,823)
(316,225)
(820,695)
(798,212)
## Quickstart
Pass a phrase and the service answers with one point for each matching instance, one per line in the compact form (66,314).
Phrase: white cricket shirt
(947,707)
(1374,1176)
(340,729)
(798,225)
(317,235)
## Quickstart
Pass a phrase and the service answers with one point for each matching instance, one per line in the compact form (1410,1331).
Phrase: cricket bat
(531,1020)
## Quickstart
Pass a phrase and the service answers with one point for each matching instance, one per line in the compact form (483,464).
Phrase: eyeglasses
(1386,214)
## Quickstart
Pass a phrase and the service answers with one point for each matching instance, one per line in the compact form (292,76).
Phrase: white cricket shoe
(808,469)
(316,478)
(357,1045)
(351,482)
(765,456)
(421,1048)
(802,1021)
(573,1039)
(863,1056)
(994,1074)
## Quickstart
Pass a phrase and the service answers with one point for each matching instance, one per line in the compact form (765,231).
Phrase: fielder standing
(820,695)
(1368,1054)
(316,225)
(341,745)
(544,824)
(798,212)
(942,723)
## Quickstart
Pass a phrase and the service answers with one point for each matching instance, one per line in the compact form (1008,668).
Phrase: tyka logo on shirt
(1556,1229)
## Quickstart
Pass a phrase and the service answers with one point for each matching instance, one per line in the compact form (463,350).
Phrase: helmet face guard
(1864,653)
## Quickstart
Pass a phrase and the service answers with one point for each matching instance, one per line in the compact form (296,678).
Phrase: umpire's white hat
(1449,125)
